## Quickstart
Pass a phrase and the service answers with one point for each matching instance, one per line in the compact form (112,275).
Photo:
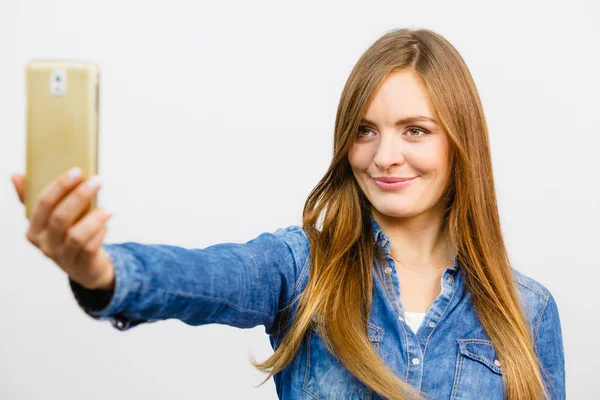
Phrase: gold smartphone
(62,123)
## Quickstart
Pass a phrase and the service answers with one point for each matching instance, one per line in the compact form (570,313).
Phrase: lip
(391,179)
(393,183)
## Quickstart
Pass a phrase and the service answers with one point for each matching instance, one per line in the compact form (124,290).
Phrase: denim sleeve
(237,284)
(549,347)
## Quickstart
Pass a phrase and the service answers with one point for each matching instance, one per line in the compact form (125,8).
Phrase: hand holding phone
(62,132)
(73,243)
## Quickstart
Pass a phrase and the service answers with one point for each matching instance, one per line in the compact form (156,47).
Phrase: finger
(83,231)
(68,211)
(73,239)
(19,184)
(50,196)
(96,241)
(76,263)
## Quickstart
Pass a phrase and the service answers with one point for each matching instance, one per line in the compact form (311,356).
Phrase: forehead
(401,94)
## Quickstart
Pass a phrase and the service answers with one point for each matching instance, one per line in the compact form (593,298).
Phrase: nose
(389,152)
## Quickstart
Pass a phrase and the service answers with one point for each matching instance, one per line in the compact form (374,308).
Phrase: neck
(418,242)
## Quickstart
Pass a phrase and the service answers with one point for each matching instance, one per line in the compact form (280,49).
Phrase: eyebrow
(404,121)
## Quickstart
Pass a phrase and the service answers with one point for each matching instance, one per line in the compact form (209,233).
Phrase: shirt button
(388,270)
(400,318)
(497,363)
(431,324)
(416,361)
(120,324)
(450,279)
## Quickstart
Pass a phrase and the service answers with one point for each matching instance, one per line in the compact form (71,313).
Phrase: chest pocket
(326,377)
(478,372)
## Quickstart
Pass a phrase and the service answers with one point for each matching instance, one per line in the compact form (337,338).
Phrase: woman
(398,283)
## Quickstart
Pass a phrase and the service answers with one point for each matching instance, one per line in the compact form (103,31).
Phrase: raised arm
(237,284)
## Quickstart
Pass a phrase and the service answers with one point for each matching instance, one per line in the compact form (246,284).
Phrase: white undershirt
(414,320)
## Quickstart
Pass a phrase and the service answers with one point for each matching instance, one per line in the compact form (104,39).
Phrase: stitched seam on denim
(307,372)
(480,359)
(389,281)
(480,341)
(477,357)
(545,296)
(380,331)
(440,320)
(298,280)
(118,297)
(304,267)
(540,292)
(303,272)
(376,346)
(539,322)
(457,370)
(536,331)
(200,296)
(407,352)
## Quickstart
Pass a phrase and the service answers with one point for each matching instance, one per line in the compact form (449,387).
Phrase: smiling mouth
(393,179)
(394,185)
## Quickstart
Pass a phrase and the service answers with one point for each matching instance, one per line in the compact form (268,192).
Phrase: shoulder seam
(540,292)
(539,323)
(303,270)
(546,296)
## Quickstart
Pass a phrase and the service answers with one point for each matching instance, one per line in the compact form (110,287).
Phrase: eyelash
(362,128)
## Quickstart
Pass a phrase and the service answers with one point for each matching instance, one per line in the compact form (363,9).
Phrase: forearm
(241,285)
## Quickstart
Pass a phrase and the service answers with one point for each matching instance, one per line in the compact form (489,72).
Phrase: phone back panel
(62,123)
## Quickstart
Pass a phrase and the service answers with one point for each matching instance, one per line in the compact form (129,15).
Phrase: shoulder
(536,300)
(530,285)
(295,241)
(294,235)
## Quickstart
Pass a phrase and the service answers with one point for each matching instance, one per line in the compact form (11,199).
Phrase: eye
(365,129)
(414,128)
(362,129)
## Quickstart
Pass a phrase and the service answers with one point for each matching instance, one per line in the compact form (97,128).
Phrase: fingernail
(74,172)
(94,181)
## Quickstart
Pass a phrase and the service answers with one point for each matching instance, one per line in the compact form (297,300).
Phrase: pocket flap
(375,332)
(480,350)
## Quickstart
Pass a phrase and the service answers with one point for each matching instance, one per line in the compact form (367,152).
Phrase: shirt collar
(384,241)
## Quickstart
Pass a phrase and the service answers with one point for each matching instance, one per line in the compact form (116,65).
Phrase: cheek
(358,159)
(432,164)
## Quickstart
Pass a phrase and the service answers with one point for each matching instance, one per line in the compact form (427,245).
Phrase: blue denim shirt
(248,284)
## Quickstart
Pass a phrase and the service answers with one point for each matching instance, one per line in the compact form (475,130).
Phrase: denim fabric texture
(248,284)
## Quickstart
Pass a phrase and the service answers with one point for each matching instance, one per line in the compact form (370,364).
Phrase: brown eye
(413,129)
(363,129)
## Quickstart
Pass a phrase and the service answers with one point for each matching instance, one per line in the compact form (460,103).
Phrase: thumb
(18,181)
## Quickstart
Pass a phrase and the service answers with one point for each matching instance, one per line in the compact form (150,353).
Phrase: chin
(395,210)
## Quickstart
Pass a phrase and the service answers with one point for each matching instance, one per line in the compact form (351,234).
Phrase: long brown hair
(342,250)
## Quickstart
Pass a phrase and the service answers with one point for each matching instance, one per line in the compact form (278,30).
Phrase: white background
(217,121)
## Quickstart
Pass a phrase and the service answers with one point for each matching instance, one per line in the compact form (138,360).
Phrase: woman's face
(390,145)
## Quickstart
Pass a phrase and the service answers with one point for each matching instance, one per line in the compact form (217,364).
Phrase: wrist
(107,282)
